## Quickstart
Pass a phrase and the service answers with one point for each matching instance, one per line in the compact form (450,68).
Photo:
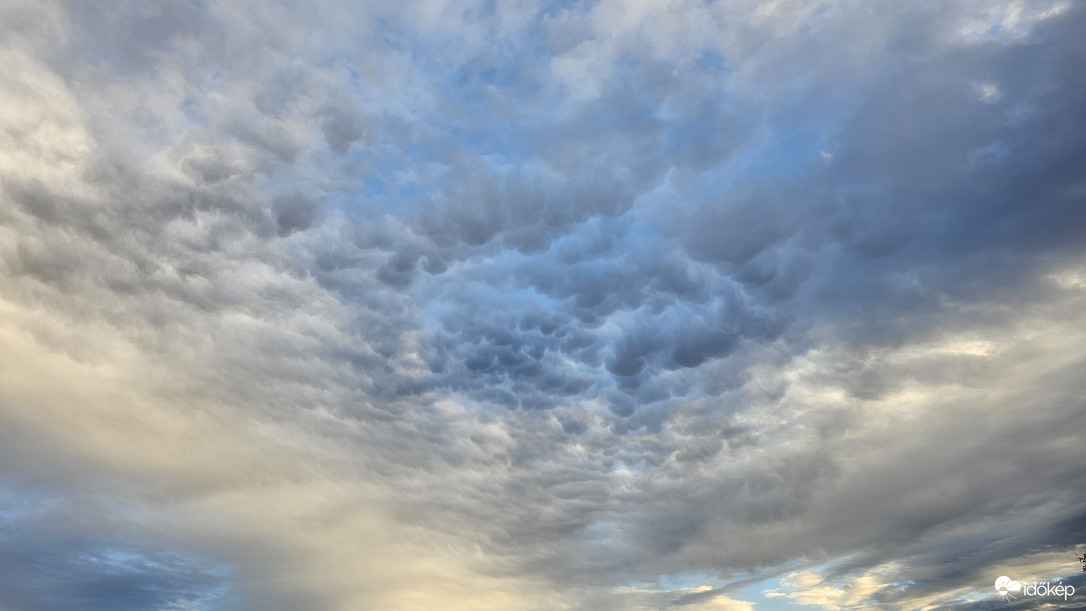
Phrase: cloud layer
(530,305)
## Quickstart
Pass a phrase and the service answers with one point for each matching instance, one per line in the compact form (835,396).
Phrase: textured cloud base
(526,305)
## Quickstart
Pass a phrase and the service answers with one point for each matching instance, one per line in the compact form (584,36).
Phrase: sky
(528,305)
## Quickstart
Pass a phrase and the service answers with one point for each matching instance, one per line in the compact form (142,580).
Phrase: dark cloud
(57,556)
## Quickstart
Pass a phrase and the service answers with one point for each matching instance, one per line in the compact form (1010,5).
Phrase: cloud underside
(614,305)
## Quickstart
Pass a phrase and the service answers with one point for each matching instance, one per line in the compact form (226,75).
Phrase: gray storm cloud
(611,305)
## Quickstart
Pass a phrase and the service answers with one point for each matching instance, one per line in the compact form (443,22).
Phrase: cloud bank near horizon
(531,305)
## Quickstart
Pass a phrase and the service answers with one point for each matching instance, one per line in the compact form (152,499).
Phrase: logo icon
(1005,585)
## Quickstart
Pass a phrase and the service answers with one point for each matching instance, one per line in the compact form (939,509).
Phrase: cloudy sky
(524,305)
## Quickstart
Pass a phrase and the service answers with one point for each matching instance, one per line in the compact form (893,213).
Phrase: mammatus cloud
(612,305)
